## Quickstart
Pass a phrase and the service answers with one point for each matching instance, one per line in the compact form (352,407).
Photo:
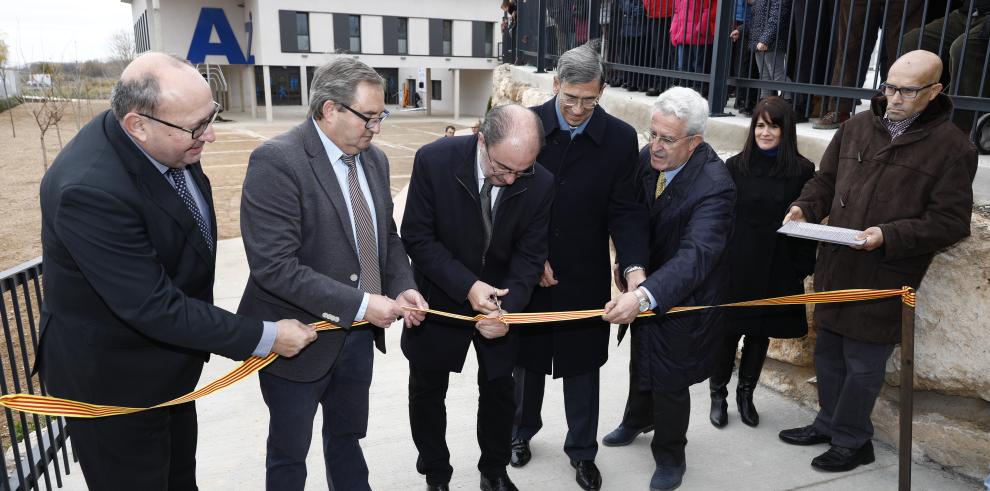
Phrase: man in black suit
(475,227)
(592,156)
(129,246)
(316,215)
(692,203)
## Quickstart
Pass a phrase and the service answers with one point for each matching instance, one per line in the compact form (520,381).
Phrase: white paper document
(822,233)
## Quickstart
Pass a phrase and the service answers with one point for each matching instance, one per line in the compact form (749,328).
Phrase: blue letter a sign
(201,47)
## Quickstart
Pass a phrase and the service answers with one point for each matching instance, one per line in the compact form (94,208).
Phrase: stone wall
(952,342)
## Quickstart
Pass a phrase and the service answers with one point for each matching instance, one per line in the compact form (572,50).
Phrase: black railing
(35,442)
(825,56)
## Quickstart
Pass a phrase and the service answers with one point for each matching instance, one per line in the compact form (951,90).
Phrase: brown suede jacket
(916,188)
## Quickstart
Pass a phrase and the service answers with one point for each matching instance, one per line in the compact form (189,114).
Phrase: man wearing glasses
(691,198)
(592,156)
(475,227)
(316,217)
(129,249)
(903,174)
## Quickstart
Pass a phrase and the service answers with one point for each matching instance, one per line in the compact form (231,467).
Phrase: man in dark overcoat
(592,156)
(692,203)
(904,173)
(475,224)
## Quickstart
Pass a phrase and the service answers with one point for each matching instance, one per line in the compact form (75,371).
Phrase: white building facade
(262,53)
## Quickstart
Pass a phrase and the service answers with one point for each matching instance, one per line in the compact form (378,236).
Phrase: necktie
(179,178)
(367,245)
(661,185)
(486,210)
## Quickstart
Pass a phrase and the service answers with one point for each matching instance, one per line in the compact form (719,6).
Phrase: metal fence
(33,444)
(825,56)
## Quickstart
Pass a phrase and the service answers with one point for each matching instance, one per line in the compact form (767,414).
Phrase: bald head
(511,137)
(156,79)
(912,83)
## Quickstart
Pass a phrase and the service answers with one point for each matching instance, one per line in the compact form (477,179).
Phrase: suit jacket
(443,233)
(595,199)
(300,245)
(690,226)
(127,317)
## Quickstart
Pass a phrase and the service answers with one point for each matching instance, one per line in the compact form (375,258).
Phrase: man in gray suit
(316,217)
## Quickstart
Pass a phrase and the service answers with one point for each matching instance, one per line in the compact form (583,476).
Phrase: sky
(61,30)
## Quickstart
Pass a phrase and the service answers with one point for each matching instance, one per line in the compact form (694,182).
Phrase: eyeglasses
(666,140)
(906,92)
(586,102)
(369,123)
(501,170)
(195,132)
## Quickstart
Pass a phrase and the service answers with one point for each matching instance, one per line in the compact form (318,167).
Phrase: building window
(302,31)
(436,89)
(489,34)
(354,33)
(448,27)
(403,37)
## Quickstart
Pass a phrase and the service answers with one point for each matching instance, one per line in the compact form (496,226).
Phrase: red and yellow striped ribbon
(55,406)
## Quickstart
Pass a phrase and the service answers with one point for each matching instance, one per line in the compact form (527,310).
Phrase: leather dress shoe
(437,487)
(805,435)
(520,453)
(624,435)
(587,476)
(667,477)
(842,459)
(500,483)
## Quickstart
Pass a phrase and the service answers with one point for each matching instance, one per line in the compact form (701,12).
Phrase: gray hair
(507,119)
(581,65)
(686,105)
(139,94)
(338,81)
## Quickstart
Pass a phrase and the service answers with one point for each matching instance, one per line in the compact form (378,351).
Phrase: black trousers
(668,411)
(850,376)
(428,421)
(580,408)
(343,394)
(150,450)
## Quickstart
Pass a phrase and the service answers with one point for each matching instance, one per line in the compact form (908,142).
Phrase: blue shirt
(269,329)
(575,131)
(334,153)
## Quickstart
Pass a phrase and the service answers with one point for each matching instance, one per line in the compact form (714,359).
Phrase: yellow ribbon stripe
(55,406)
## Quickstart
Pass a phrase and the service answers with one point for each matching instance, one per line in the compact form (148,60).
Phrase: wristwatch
(644,301)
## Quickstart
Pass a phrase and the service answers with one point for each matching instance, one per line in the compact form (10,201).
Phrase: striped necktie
(367,244)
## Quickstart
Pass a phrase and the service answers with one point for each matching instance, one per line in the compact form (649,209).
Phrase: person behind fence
(692,31)
(857,27)
(904,173)
(768,34)
(128,239)
(316,217)
(469,262)
(592,156)
(769,174)
(691,202)
(965,53)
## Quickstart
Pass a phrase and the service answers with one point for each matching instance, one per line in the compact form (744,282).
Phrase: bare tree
(51,111)
(121,49)
(4,56)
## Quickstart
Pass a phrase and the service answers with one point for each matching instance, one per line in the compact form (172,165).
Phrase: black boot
(754,352)
(719,415)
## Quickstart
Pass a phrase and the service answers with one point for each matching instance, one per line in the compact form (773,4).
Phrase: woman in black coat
(769,174)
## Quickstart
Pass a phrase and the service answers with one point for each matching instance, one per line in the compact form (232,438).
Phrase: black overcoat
(595,198)
(443,235)
(690,228)
(763,263)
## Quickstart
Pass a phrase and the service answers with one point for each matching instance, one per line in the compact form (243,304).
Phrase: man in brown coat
(904,173)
